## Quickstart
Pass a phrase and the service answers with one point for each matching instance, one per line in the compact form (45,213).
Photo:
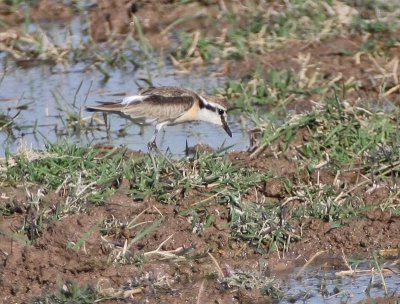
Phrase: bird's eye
(220,112)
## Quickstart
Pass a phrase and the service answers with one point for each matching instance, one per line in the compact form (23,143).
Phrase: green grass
(79,175)
(268,93)
(69,292)
(20,2)
(253,280)
(87,175)
(259,28)
(256,30)
(339,136)
(334,136)
(64,164)
(345,133)
(40,47)
(77,246)
(262,226)
(206,47)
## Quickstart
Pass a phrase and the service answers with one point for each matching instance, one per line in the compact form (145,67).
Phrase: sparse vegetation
(318,84)
(70,292)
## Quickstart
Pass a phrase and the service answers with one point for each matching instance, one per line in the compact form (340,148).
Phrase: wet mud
(38,269)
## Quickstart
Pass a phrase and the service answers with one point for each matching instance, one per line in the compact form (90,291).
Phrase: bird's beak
(226,127)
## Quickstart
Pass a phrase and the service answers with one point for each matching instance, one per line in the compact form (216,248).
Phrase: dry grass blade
(175,254)
(158,250)
(392,90)
(384,170)
(178,21)
(10,122)
(309,262)
(219,270)
(193,46)
(201,289)
(360,272)
(144,232)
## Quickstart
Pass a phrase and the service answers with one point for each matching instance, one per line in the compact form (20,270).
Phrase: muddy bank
(86,247)
(197,257)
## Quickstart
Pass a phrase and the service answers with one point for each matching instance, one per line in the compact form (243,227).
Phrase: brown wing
(168,92)
(154,108)
(159,107)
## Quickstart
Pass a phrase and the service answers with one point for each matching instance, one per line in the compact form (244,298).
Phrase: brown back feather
(160,107)
(154,107)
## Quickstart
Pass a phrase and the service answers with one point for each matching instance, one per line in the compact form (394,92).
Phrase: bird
(167,105)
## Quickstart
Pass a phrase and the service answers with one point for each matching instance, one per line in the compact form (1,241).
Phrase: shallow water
(39,93)
(43,90)
(322,285)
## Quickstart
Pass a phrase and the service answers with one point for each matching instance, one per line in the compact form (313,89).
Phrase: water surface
(45,95)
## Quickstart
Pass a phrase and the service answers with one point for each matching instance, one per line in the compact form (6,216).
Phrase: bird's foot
(152,146)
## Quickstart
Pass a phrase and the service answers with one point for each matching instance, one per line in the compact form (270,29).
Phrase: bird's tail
(116,106)
(105,107)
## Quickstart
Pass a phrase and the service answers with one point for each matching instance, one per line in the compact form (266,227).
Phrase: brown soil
(28,270)
(33,270)
(116,16)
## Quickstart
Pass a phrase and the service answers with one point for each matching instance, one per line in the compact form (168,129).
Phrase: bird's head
(213,109)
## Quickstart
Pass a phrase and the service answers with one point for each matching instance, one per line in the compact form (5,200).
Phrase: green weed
(261,225)
(253,280)
(70,292)
(77,246)
(346,134)
(265,97)
(196,45)
(20,2)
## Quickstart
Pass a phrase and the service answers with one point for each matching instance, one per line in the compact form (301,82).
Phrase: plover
(167,106)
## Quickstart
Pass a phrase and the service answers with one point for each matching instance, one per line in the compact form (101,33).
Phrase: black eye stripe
(210,107)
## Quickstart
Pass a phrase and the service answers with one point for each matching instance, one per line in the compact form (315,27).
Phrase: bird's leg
(153,160)
(152,146)
(164,157)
